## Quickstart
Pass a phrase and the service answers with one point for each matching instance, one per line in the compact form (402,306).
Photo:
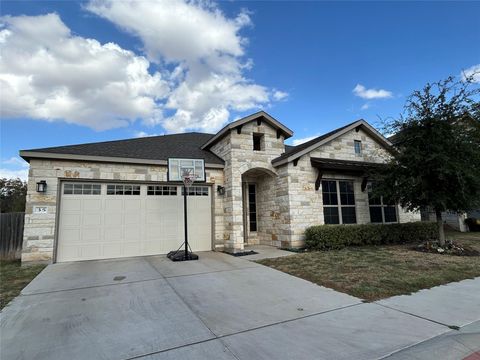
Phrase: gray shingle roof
(185,145)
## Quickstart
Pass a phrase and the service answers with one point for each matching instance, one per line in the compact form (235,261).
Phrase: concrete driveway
(219,307)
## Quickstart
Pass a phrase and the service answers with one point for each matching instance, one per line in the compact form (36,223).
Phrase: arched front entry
(259,206)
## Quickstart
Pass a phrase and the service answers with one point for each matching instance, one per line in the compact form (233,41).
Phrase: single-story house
(124,198)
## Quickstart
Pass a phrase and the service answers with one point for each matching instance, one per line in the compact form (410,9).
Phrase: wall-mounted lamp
(41,186)
(221,190)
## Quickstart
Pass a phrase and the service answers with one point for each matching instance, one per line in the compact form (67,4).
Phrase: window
(176,167)
(381,210)
(161,190)
(82,189)
(121,189)
(252,207)
(338,202)
(358,147)
(197,191)
(258,143)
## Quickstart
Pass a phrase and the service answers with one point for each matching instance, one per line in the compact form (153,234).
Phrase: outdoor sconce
(221,190)
(41,186)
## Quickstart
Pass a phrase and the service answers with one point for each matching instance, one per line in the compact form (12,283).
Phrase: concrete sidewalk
(219,307)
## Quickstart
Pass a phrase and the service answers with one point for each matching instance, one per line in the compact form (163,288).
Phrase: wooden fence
(11,235)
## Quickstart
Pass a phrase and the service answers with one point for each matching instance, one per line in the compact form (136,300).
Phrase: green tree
(13,193)
(436,160)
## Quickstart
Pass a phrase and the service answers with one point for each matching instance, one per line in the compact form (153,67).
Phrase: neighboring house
(452,218)
(124,198)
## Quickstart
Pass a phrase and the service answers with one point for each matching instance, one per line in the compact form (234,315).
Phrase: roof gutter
(27,155)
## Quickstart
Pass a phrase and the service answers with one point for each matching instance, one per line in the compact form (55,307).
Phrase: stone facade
(39,231)
(245,165)
(286,199)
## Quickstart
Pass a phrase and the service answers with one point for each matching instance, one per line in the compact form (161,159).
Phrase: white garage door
(101,221)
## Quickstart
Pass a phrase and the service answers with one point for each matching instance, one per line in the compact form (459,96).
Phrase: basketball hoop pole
(185,219)
(188,180)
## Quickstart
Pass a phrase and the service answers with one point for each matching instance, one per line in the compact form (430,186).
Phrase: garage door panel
(91,251)
(113,219)
(133,218)
(92,235)
(133,205)
(71,204)
(90,219)
(133,232)
(92,205)
(113,233)
(70,235)
(112,250)
(104,226)
(71,219)
(113,205)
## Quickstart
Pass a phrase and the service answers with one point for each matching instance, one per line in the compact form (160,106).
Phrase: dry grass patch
(373,273)
(13,278)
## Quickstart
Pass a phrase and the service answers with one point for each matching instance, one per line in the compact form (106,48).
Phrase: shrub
(326,237)
(473,224)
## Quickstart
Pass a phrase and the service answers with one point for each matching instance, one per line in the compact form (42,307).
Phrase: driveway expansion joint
(451,327)
(92,287)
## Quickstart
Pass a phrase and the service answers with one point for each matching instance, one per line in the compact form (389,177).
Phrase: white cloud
(14,160)
(208,82)
(365,106)
(473,72)
(13,174)
(369,94)
(296,142)
(49,74)
(139,134)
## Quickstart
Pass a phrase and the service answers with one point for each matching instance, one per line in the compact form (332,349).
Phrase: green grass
(13,278)
(373,273)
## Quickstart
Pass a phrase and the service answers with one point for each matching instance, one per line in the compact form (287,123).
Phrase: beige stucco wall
(39,231)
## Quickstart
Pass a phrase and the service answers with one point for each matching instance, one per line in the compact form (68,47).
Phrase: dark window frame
(197,190)
(161,190)
(123,189)
(376,204)
(74,188)
(357,146)
(258,142)
(340,201)
(252,208)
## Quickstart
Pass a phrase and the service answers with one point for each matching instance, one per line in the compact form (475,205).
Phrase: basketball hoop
(188,178)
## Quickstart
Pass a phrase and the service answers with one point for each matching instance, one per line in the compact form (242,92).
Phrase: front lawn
(377,272)
(13,278)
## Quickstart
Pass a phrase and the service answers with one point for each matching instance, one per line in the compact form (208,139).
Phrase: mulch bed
(450,248)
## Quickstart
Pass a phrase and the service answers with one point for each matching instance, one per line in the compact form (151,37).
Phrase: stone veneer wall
(306,206)
(237,152)
(39,231)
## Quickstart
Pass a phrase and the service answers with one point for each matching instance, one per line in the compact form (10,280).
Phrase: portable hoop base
(180,256)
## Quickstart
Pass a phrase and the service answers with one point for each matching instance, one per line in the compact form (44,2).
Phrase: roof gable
(302,149)
(261,115)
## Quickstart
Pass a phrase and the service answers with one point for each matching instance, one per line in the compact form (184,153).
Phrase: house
(124,198)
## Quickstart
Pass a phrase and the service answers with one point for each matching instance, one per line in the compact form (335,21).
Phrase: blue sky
(75,72)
